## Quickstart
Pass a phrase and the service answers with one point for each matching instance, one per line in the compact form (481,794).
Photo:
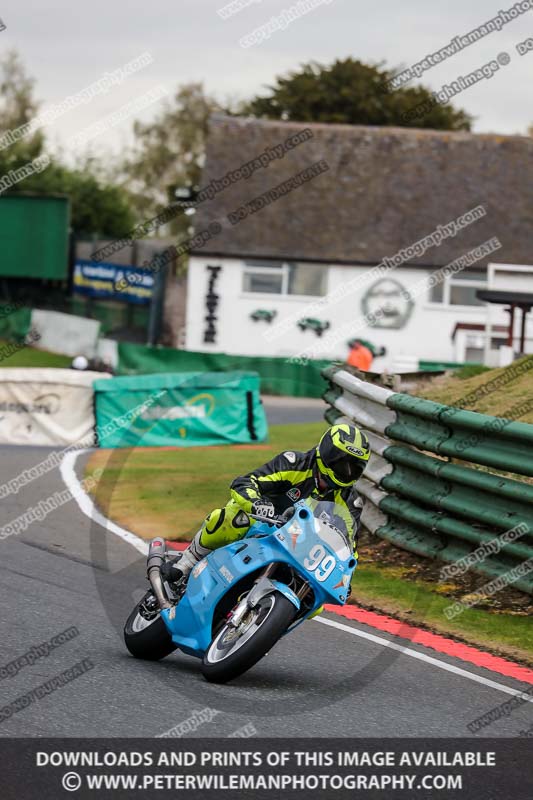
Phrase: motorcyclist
(326,472)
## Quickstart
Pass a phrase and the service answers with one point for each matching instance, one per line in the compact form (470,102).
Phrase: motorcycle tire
(228,655)
(147,639)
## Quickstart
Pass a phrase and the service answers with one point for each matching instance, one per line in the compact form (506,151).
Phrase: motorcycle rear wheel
(233,652)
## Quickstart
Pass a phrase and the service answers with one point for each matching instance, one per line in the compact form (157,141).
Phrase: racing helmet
(342,455)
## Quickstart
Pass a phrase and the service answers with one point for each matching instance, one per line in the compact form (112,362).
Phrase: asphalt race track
(321,681)
(285,410)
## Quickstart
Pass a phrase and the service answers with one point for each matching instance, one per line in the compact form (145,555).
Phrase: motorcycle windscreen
(331,522)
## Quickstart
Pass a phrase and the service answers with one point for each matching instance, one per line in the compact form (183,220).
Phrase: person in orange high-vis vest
(360,357)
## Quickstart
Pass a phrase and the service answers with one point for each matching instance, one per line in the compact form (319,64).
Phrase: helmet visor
(348,469)
(345,468)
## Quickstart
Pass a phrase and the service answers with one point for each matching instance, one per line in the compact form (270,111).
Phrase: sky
(67,46)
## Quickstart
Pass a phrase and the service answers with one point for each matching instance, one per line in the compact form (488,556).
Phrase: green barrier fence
(437,508)
(183,409)
(440,366)
(14,324)
(278,375)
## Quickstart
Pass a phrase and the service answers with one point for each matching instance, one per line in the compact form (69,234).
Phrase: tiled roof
(385,189)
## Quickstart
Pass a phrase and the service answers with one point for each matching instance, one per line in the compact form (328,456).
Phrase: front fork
(261,588)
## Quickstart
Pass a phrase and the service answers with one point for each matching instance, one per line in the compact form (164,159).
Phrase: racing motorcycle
(241,599)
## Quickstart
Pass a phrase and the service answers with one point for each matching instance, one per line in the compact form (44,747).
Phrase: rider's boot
(179,568)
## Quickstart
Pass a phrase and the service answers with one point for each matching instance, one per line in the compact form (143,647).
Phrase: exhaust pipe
(156,557)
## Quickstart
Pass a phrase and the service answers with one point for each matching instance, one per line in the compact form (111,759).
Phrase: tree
(354,93)
(17,107)
(169,152)
(97,207)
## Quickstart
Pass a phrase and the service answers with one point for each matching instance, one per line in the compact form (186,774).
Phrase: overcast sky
(67,45)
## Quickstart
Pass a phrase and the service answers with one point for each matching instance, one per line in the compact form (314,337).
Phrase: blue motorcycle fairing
(288,593)
(297,544)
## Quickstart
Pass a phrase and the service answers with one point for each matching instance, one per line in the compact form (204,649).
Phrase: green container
(34,233)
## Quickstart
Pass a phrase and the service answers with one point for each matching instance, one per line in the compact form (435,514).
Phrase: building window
(477,354)
(266,279)
(282,277)
(460,289)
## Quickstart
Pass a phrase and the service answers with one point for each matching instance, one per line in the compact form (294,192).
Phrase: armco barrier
(431,506)
(278,375)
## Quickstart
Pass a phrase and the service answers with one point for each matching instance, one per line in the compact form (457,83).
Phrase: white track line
(436,662)
(68,473)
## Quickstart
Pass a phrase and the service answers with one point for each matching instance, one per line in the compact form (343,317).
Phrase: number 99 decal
(319,562)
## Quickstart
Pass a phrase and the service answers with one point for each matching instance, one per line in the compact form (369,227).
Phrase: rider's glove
(263,508)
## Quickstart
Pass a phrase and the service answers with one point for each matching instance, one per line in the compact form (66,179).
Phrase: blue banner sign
(113,281)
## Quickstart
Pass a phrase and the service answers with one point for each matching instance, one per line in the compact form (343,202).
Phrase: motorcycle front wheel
(235,650)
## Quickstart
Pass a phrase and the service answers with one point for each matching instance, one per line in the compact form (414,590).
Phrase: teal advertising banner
(183,409)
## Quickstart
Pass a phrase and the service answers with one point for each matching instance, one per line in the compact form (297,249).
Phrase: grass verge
(31,357)
(503,391)
(393,590)
(159,492)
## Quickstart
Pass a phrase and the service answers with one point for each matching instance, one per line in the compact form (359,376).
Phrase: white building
(359,221)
